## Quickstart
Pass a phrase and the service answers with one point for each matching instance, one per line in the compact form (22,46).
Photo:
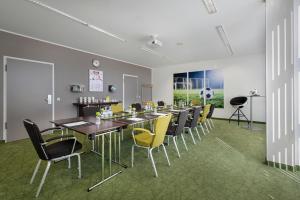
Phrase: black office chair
(238,102)
(137,106)
(62,149)
(209,116)
(193,122)
(90,111)
(176,129)
(161,103)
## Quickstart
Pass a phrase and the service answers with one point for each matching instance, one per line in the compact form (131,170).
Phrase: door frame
(137,86)
(5,58)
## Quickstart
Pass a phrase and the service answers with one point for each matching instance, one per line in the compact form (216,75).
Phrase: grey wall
(71,66)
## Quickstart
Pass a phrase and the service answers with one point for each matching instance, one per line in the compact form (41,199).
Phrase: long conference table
(110,129)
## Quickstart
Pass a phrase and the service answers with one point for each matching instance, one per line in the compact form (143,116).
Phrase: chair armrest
(60,137)
(51,129)
(142,130)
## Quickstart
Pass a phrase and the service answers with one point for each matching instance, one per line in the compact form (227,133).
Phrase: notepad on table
(75,124)
(159,114)
(135,119)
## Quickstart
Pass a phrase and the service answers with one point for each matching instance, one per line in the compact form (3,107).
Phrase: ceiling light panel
(75,19)
(224,38)
(210,6)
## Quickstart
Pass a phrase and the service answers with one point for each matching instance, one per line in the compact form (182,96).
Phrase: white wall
(241,74)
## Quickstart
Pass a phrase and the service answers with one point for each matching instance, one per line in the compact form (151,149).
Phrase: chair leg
(35,171)
(209,125)
(132,155)
(190,131)
(202,129)
(43,179)
(153,163)
(167,157)
(206,127)
(122,135)
(212,122)
(175,144)
(69,162)
(198,133)
(183,140)
(79,166)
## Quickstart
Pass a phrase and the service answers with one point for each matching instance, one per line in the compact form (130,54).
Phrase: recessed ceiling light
(210,6)
(224,38)
(38,3)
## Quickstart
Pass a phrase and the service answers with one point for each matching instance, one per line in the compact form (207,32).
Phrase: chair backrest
(90,111)
(205,113)
(196,115)
(211,111)
(161,103)
(36,138)
(137,106)
(182,117)
(196,102)
(115,108)
(160,129)
(237,101)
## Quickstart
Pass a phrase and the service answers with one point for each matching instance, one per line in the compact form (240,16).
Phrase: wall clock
(96,63)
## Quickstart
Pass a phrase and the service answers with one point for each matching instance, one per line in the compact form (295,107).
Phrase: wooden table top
(91,127)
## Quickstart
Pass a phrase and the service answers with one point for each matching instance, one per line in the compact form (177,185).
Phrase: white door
(29,95)
(131,91)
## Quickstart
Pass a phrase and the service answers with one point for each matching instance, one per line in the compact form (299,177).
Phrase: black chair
(193,122)
(62,149)
(161,103)
(238,102)
(176,129)
(137,106)
(90,111)
(209,116)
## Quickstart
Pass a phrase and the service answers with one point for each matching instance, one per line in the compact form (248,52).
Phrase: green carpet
(227,164)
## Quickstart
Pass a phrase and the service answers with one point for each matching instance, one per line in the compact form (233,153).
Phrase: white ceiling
(185,21)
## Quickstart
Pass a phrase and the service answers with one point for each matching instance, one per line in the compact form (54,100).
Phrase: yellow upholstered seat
(203,117)
(146,139)
(115,108)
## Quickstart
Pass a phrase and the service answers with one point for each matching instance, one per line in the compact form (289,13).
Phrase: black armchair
(192,123)
(51,151)
(176,129)
(137,106)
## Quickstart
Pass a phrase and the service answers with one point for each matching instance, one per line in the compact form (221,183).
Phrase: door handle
(49,99)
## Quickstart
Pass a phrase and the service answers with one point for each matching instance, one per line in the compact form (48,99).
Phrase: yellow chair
(116,108)
(196,102)
(148,140)
(203,118)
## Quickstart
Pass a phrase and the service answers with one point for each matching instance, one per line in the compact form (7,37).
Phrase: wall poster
(95,80)
(199,88)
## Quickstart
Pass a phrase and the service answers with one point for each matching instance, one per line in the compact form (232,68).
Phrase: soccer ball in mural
(209,93)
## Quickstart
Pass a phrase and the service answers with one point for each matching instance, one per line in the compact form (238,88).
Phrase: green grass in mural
(218,99)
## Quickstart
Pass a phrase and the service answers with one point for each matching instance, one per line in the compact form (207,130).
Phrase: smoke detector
(154,42)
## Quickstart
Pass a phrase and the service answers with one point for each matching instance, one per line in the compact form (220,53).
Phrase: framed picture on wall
(95,80)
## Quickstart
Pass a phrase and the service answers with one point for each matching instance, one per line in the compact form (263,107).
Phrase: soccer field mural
(199,88)
(196,84)
(214,87)
(180,88)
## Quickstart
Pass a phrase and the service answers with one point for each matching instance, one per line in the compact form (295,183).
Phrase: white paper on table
(75,123)
(159,114)
(135,119)
(175,110)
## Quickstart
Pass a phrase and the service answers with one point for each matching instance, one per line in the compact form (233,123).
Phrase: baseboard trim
(219,118)
(283,166)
